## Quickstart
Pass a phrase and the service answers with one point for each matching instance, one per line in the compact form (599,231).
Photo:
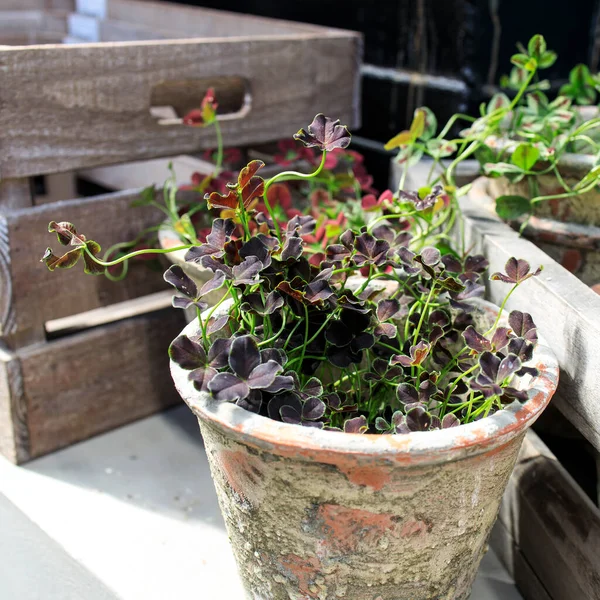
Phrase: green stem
(118,261)
(219,164)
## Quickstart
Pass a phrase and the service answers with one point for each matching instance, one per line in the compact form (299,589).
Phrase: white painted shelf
(135,511)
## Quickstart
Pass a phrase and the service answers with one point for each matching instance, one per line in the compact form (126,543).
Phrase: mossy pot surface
(315,514)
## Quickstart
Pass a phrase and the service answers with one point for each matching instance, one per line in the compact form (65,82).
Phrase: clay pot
(574,246)
(315,514)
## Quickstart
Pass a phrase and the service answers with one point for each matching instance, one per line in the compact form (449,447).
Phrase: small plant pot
(315,514)
(168,238)
(573,245)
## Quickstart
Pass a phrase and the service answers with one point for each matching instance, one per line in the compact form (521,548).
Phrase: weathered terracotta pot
(323,515)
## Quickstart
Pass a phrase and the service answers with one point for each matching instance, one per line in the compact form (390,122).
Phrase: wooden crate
(548,532)
(81,354)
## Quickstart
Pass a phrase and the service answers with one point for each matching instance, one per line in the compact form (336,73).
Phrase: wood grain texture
(14,434)
(555,526)
(91,102)
(90,382)
(32,295)
(201,22)
(15,194)
(566,311)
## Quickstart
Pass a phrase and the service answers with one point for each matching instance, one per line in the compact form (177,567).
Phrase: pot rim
(415,448)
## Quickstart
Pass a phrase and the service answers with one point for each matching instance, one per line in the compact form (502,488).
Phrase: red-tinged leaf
(253,190)
(248,172)
(66,261)
(66,233)
(401,139)
(91,266)
(216,200)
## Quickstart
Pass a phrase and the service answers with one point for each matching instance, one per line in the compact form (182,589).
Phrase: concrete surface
(131,515)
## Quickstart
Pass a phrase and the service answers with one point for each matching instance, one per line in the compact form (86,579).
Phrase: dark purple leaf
(301,225)
(213,284)
(292,249)
(217,324)
(176,277)
(187,353)
(275,354)
(313,387)
(521,348)
(523,326)
(218,354)
(313,409)
(386,330)
(475,340)
(324,133)
(450,420)
(280,383)
(227,387)
(278,402)
(338,334)
(508,366)
(264,375)
(501,338)
(252,403)
(430,256)
(289,414)
(255,247)
(418,419)
(356,425)
(246,273)
(387,309)
(201,377)
(406,393)
(244,356)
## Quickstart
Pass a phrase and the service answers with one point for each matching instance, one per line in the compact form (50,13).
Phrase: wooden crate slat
(32,295)
(512,558)
(554,525)
(73,107)
(566,311)
(89,382)
(198,22)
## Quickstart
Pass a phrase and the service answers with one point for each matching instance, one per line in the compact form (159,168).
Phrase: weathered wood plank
(554,524)
(199,22)
(505,548)
(566,311)
(15,194)
(83,384)
(32,295)
(91,103)
(14,434)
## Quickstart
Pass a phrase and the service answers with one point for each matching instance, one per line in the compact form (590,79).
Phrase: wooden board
(69,389)
(31,26)
(77,106)
(189,20)
(566,311)
(31,295)
(506,549)
(554,526)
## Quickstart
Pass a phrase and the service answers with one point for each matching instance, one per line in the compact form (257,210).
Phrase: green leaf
(547,59)
(484,154)
(537,46)
(590,178)
(430,125)
(498,101)
(510,208)
(446,249)
(440,148)
(519,60)
(145,198)
(501,168)
(525,156)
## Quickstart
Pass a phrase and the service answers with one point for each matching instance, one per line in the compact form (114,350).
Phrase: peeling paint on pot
(315,514)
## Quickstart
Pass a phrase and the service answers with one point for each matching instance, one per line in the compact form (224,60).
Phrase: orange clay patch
(241,471)
(303,570)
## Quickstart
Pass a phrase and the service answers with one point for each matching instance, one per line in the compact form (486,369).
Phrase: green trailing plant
(520,135)
(382,335)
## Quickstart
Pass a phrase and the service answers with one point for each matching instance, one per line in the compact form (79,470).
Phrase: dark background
(445,54)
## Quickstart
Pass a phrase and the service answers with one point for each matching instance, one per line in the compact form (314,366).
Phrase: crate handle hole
(170,101)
